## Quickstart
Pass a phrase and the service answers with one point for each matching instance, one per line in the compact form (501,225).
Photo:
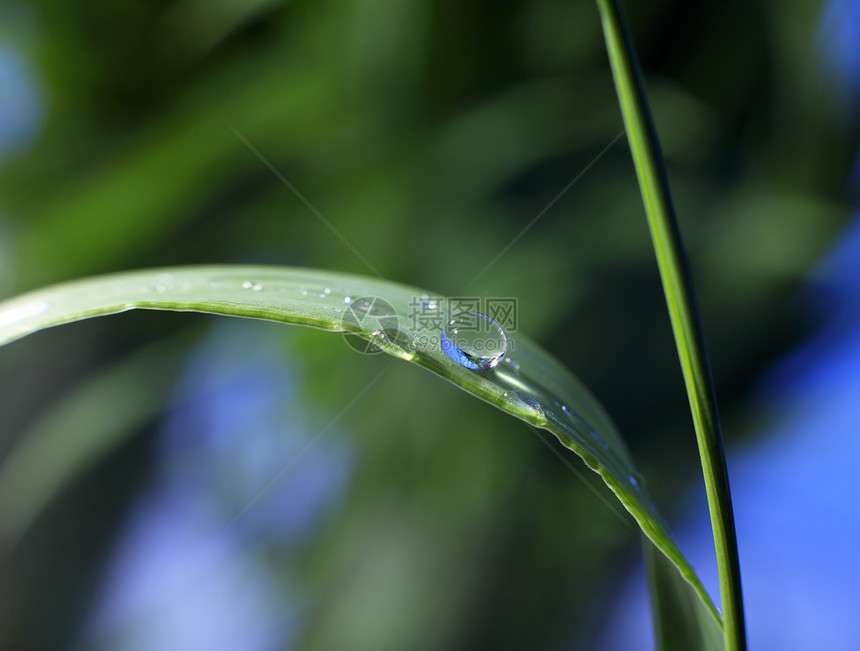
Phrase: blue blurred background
(178,481)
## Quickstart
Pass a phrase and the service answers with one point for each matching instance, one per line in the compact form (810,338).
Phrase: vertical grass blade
(683,312)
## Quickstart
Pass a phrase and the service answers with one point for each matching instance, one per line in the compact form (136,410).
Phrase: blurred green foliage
(430,134)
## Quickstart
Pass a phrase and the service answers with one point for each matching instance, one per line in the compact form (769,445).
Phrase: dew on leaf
(474,340)
(524,401)
(254,287)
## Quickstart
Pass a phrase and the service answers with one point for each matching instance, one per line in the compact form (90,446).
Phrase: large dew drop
(474,340)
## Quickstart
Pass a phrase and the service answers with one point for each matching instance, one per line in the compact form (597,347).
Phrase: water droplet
(429,303)
(347,300)
(565,410)
(303,292)
(386,338)
(372,305)
(362,305)
(512,364)
(327,291)
(399,338)
(633,481)
(474,340)
(160,288)
(254,287)
(363,314)
(524,401)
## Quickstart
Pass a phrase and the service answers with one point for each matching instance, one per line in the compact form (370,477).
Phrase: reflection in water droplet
(633,481)
(347,300)
(565,410)
(254,287)
(327,291)
(474,340)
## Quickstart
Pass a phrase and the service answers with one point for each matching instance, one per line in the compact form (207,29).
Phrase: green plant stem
(683,312)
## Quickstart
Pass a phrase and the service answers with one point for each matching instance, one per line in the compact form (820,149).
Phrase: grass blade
(528,384)
(680,298)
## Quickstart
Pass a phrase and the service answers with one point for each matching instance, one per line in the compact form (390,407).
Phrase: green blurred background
(429,134)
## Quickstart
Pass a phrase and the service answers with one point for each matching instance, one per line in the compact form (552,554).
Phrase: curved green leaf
(528,383)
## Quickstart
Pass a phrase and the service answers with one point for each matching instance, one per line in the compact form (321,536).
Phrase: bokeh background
(430,134)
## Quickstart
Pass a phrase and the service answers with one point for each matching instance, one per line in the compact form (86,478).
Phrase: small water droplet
(372,305)
(633,481)
(254,287)
(565,410)
(327,291)
(524,401)
(429,303)
(399,338)
(347,300)
(474,340)
(362,305)
(303,292)
(160,288)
